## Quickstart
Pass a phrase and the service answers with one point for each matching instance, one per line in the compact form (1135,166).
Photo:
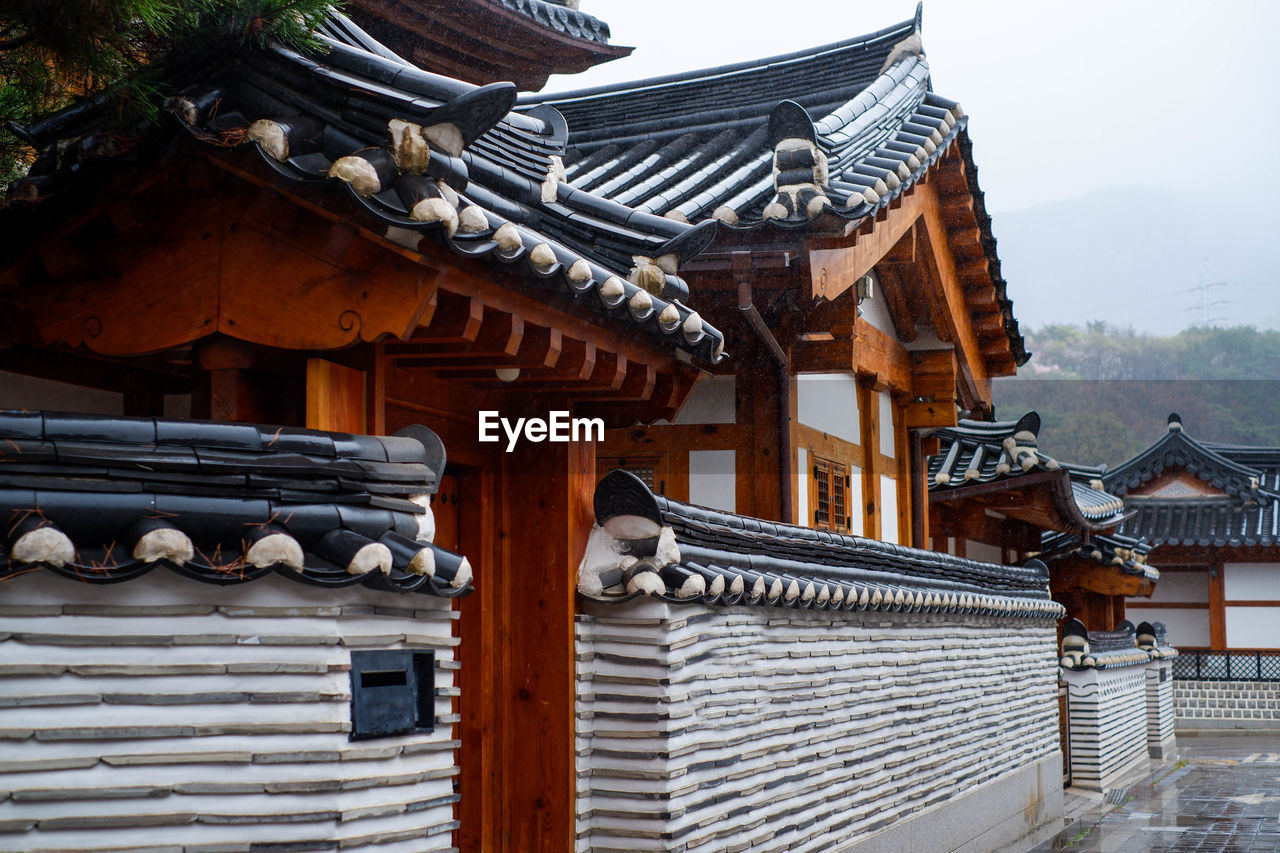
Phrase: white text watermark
(556,427)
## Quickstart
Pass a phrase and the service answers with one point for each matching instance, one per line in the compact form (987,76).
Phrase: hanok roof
(981,457)
(1125,553)
(1243,510)
(104,500)
(424,155)
(690,554)
(818,139)
(457,37)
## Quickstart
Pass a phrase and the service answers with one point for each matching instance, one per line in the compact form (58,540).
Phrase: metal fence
(1221,665)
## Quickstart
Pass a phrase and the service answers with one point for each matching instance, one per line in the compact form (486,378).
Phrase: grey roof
(1085,649)
(105,499)
(690,144)
(426,154)
(975,453)
(556,15)
(729,559)
(1109,549)
(706,144)
(1245,511)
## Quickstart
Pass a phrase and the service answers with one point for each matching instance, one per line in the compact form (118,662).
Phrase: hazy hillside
(1137,256)
(1103,394)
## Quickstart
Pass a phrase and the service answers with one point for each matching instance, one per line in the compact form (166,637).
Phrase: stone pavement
(1224,796)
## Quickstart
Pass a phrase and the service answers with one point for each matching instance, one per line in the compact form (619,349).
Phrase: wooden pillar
(1217,596)
(335,397)
(543,495)
(480,756)
(756,386)
(227,388)
(906,490)
(869,416)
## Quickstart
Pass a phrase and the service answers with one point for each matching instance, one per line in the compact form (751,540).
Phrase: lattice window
(830,493)
(651,469)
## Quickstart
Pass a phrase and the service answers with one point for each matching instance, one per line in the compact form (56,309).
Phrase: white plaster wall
(829,402)
(817,730)
(168,713)
(713,479)
(1251,581)
(1186,627)
(857,505)
(802,493)
(887,438)
(888,509)
(1253,627)
(28,392)
(714,400)
(876,312)
(982,551)
(1181,586)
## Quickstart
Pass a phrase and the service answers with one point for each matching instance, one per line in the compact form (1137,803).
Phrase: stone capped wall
(1226,704)
(166,713)
(763,728)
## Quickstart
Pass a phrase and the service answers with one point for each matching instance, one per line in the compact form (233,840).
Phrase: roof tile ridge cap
(1134,463)
(702,74)
(875,92)
(1218,458)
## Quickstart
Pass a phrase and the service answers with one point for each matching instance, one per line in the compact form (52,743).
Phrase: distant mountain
(1103,394)
(1139,256)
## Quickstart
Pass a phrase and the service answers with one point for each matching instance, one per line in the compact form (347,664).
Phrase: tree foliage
(1104,393)
(55,51)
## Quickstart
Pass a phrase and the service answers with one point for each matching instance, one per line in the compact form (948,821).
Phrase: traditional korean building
(1212,512)
(339,242)
(996,496)
(345,244)
(854,268)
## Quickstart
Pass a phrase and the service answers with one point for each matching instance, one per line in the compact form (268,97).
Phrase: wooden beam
(941,265)
(472,278)
(1079,573)
(833,270)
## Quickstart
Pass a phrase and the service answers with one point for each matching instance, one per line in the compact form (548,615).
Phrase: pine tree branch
(17,41)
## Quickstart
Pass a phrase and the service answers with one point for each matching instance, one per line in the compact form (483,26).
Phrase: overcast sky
(1063,97)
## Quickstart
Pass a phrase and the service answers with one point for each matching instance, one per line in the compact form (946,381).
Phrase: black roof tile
(974,453)
(352,94)
(757,562)
(214,488)
(1244,509)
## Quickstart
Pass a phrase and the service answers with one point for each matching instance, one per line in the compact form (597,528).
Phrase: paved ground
(1225,797)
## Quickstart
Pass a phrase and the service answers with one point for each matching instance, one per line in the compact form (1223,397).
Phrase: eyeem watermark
(557,426)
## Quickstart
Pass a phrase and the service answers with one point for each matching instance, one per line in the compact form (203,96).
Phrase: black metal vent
(392,693)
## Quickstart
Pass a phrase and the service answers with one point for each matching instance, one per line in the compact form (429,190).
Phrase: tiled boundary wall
(1227,704)
(174,714)
(1107,714)
(1161,742)
(732,728)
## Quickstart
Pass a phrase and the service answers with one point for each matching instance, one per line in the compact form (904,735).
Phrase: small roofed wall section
(860,730)
(178,713)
